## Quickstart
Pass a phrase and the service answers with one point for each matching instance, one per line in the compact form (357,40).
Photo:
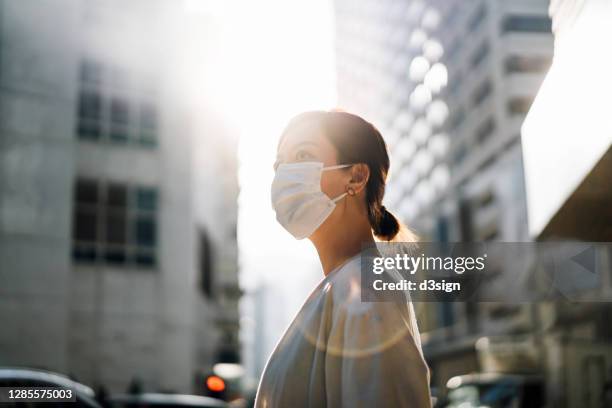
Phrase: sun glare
(273,59)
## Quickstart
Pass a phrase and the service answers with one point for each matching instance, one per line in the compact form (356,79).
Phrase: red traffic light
(215,383)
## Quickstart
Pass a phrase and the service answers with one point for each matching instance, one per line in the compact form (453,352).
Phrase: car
(496,391)
(155,400)
(29,377)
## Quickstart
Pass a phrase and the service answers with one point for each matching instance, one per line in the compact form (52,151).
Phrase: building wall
(37,163)
(110,323)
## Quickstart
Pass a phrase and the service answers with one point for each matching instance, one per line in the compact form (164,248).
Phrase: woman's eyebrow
(279,157)
(306,142)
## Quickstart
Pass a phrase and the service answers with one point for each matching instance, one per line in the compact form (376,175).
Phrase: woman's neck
(335,249)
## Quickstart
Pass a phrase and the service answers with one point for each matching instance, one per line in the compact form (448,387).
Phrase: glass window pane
(116,195)
(119,133)
(116,228)
(519,106)
(147,138)
(146,199)
(89,130)
(86,192)
(90,105)
(144,231)
(145,258)
(533,24)
(148,117)
(478,17)
(85,228)
(115,255)
(84,253)
(481,93)
(485,130)
(119,111)
(457,119)
(480,54)
(527,64)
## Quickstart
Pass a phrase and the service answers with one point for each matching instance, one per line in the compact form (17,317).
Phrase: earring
(350,191)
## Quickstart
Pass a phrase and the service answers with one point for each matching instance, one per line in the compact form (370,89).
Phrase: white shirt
(341,352)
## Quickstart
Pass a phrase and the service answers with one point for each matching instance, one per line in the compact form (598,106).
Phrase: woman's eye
(303,155)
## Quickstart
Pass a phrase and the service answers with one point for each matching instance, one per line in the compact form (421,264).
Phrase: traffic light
(215,386)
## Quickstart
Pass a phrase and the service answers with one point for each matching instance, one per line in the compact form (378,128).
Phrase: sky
(273,60)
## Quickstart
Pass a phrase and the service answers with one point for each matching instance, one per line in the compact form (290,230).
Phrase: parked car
(154,400)
(26,377)
(496,391)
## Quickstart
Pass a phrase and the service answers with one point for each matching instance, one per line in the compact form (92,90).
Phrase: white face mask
(300,205)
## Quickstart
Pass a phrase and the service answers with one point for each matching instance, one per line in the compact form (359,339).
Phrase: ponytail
(384,224)
(387,227)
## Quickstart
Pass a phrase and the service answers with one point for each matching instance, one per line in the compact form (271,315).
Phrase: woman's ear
(360,174)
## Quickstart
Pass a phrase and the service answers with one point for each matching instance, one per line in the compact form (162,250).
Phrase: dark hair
(358,141)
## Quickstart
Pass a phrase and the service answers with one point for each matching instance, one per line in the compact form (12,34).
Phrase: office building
(448,83)
(118,196)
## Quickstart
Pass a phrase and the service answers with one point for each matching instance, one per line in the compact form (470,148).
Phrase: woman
(339,351)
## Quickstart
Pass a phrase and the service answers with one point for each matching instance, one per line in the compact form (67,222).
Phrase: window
(486,199)
(519,105)
(465,220)
(459,155)
(115,105)
(480,54)
(485,130)
(455,83)
(446,315)
(457,119)
(115,224)
(478,17)
(90,115)
(206,265)
(527,24)
(147,125)
(534,64)
(481,93)
(453,50)
(442,229)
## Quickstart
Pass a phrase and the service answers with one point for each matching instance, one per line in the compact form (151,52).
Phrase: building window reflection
(519,105)
(480,54)
(527,64)
(481,92)
(528,24)
(485,130)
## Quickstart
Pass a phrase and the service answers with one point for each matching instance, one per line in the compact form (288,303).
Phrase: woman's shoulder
(358,327)
(347,293)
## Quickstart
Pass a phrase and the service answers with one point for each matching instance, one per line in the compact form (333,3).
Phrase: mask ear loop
(349,191)
(340,166)
(340,197)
